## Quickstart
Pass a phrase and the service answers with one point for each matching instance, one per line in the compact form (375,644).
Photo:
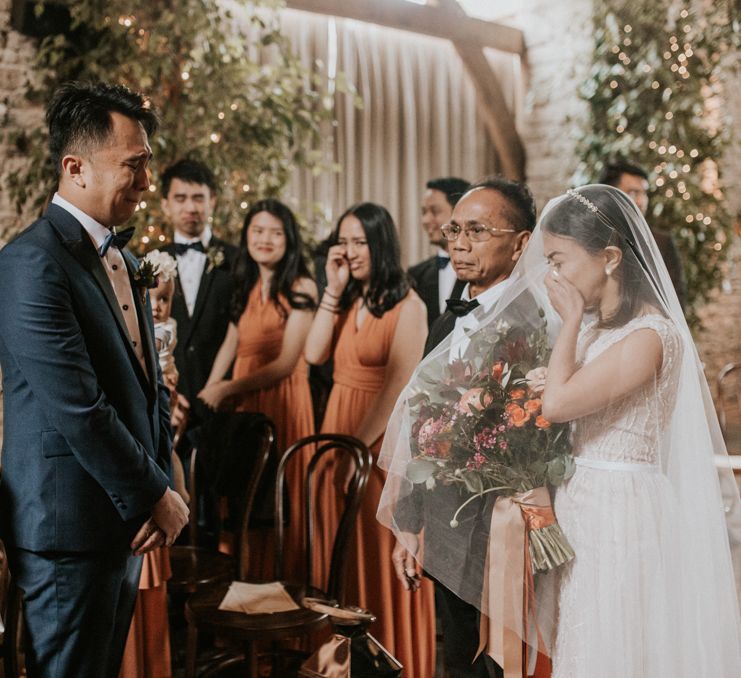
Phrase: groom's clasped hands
(169,517)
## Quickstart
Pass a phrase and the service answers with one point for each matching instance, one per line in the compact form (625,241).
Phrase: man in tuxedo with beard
(204,285)
(87,436)
(488,231)
(434,278)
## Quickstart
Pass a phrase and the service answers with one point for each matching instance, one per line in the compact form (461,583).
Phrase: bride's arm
(572,392)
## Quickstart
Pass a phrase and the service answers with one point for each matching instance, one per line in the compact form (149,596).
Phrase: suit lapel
(145,330)
(77,241)
(204,286)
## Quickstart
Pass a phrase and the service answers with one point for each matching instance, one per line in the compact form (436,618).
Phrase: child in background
(147,653)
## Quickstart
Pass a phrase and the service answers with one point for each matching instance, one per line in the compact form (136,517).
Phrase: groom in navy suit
(87,437)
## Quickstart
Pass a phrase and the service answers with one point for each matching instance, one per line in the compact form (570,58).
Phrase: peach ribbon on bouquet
(508,597)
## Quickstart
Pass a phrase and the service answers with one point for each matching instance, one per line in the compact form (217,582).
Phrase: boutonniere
(215,257)
(145,277)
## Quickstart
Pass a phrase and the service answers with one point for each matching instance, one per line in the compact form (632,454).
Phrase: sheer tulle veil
(705,616)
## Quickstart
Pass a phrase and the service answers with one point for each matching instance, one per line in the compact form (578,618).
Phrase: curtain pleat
(419,120)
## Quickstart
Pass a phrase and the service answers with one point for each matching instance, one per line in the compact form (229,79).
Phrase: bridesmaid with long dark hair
(374,326)
(273,308)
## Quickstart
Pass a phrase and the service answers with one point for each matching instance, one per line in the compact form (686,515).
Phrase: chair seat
(193,567)
(202,610)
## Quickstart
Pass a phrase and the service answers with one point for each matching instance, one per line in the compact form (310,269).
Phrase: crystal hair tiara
(583,200)
(607,222)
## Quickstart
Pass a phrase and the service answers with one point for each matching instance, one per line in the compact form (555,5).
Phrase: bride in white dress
(650,592)
(636,601)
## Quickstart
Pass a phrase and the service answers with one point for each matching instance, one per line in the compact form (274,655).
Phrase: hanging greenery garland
(225,80)
(655,99)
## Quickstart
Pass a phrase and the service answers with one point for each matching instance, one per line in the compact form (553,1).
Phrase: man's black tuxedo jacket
(87,433)
(425,275)
(200,336)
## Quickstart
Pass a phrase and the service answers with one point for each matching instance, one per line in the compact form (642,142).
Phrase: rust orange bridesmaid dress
(405,623)
(288,404)
(147,651)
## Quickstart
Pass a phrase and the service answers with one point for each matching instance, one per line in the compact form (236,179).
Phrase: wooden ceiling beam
(425,19)
(498,119)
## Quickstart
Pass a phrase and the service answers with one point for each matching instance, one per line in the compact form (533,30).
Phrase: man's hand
(170,514)
(179,407)
(148,537)
(405,566)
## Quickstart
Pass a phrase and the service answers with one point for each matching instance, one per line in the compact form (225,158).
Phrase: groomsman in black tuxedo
(487,232)
(204,286)
(87,423)
(434,278)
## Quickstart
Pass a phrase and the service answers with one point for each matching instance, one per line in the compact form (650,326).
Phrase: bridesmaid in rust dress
(374,326)
(274,305)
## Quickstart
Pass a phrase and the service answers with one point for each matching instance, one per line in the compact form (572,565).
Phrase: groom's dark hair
(79,116)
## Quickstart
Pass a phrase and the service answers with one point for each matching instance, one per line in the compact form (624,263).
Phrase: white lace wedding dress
(616,604)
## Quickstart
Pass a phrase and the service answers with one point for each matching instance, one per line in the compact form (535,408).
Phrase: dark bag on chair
(227,445)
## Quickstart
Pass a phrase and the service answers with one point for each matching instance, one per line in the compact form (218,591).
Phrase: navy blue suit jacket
(87,437)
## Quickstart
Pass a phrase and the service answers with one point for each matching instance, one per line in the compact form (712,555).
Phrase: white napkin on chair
(257,598)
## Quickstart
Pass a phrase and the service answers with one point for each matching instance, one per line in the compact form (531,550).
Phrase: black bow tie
(118,240)
(461,307)
(183,247)
(441,262)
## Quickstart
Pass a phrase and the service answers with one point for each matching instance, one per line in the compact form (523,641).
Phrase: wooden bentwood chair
(194,566)
(250,630)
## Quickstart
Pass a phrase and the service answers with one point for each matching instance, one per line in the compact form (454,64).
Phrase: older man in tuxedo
(488,231)
(434,278)
(204,285)
(87,439)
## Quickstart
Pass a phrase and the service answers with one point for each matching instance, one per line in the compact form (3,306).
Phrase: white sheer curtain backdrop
(419,120)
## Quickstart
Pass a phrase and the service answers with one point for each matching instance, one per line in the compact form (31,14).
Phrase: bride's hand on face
(566,299)
(338,270)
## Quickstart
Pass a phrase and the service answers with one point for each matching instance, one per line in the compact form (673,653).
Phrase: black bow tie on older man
(442,262)
(461,307)
(118,240)
(183,247)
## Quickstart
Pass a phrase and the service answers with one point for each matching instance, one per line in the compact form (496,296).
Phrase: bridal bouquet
(477,421)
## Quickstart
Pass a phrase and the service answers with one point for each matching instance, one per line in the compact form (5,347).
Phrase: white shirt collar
(204,238)
(488,297)
(442,253)
(95,229)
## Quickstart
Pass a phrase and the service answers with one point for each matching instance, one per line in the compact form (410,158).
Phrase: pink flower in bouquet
(476,462)
(428,438)
(474,400)
(485,439)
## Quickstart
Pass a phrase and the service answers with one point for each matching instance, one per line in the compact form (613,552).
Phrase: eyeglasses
(473,232)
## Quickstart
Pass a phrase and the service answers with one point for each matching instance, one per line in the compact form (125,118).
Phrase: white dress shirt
(115,269)
(191,266)
(445,280)
(466,324)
